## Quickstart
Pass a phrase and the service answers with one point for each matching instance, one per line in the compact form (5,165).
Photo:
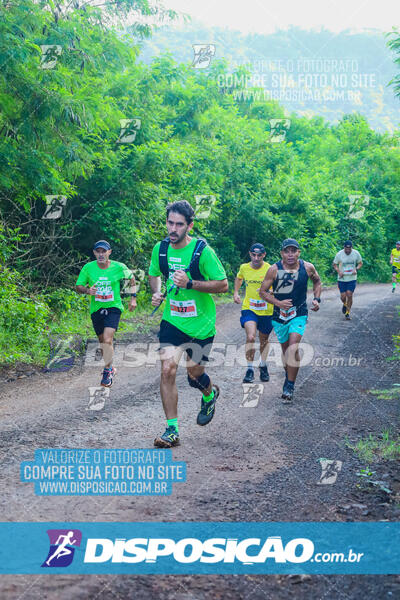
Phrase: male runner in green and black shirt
(188,321)
(100,279)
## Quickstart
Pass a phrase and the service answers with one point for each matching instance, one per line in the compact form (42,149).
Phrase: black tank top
(291,286)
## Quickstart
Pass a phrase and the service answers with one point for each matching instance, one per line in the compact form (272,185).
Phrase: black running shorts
(105,317)
(197,350)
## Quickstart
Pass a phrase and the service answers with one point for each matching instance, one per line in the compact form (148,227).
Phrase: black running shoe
(264,375)
(249,377)
(168,439)
(347,316)
(393,290)
(344,309)
(207,408)
(287,392)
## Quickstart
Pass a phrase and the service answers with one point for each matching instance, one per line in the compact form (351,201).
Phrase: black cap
(257,248)
(290,242)
(102,244)
(348,244)
(397,243)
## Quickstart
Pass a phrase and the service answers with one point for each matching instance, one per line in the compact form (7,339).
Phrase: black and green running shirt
(191,311)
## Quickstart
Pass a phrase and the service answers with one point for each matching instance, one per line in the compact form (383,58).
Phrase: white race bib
(104,292)
(183,308)
(286,315)
(348,270)
(257,304)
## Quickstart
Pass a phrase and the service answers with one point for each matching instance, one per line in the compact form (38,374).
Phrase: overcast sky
(265,16)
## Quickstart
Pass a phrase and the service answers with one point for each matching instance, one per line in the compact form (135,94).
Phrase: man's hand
(180,279)
(340,273)
(92,290)
(236,298)
(315,305)
(354,272)
(285,304)
(132,304)
(157,298)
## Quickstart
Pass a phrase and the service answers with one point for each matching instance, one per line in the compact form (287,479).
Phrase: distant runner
(347,263)
(289,278)
(100,279)
(395,262)
(193,272)
(256,313)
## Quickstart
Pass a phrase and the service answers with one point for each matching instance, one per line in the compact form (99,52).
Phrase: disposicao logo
(190,550)
(62,547)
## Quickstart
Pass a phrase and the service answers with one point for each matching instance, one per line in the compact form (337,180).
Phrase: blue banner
(200,548)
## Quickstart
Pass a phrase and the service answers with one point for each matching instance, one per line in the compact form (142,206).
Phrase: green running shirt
(191,311)
(107,280)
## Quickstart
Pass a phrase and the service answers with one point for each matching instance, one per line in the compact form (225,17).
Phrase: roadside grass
(392,393)
(385,446)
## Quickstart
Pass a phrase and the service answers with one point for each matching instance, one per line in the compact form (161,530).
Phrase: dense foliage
(60,135)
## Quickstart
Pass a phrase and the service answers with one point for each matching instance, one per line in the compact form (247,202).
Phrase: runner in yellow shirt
(256,312)
(395,262)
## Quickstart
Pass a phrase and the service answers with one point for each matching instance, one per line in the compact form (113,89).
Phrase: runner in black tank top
(289,278)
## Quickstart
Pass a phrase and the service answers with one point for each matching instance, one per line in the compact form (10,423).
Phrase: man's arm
(337,269)
(359,265)
(212,286)
(155,286)
(317,285)
(391,259)
(83,289)
(236,288)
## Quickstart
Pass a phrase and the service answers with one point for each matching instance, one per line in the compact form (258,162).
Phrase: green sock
(208,398)
(173,423)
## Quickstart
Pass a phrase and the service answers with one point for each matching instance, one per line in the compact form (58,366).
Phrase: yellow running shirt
(253,279)
(396,257)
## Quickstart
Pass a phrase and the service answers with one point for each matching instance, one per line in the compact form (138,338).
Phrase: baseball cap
(349,243)
(290,242)
(102,244)
(397,243)
(259,248)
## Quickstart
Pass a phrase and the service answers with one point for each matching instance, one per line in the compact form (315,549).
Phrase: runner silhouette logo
(62,547)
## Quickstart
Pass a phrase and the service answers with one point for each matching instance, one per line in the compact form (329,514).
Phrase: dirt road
(252,463)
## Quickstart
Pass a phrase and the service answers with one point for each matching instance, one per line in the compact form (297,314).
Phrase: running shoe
(207,409)
(393,290)
(287,392)
(264,375)
(344,309)
(168,439)
(347,316)
(249,377)
(108,376)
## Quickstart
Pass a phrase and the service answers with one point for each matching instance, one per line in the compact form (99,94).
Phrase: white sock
(263,363)
(250,365)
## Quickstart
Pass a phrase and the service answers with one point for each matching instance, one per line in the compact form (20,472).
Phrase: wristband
(189,284)
(133,295)
(318,300)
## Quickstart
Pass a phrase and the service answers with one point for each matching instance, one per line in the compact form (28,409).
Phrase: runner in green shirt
(100,279)
(188,322)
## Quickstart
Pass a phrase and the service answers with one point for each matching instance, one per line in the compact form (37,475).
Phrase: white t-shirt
(347,263)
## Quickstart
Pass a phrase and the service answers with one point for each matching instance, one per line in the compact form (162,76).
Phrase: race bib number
(183,308)
(348,270)
(286,315)
(104,292)
(257,304)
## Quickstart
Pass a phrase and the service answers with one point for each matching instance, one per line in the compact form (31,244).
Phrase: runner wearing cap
(289,278)
(193,272)
(256,312)
(347,263)
(395,262)
(100,279)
